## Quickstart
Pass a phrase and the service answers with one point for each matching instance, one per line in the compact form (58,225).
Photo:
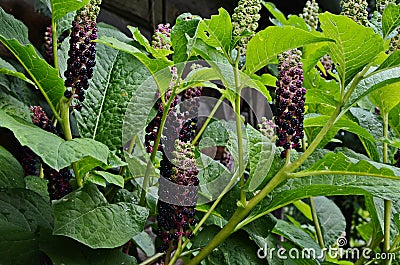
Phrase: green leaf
(11,172)
(296,235)
(312,54)
(355,46)
(261,156)
(8,69)
(61,7)
(65,23)
(267,44)
(390,19)
(152,65)
(217,31)
(386,97)
(38,185)
(23,214)
(157,53)
(238,249)
(280,17)
(85,216)
(59,249)
(392,61)
(372,82)
(145,243)
(111,178)
(331,219)
(117,75)
(394,120)
(13,34)
(55,152)
(185,27)
(14,107)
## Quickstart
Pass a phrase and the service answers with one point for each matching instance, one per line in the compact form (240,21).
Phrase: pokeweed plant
(119,155)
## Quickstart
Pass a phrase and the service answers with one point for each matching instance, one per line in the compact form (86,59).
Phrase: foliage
(111,212)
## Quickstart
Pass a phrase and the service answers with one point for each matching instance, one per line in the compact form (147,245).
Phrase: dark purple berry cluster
(58,181)
(397,158)
(290,97)
(177,196)
(82,52)
(227,159)
(328,65)
(48,45)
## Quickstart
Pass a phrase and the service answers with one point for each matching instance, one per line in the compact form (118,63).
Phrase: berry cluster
(162,37)
(176,206)
(310,14)
(382,4)
(48,45)
(356,10)
(245,18)
(82,52)
(397,158)
(58,181)
(227,159)
(290,97)
(328,65)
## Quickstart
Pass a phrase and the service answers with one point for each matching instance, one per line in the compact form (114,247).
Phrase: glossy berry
(48,45)
(40,119)
(290,96)
(82,53)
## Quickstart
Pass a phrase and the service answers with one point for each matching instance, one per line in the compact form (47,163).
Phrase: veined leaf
(392,61)
(217,31)
(86,216)
(60,8)
(8,69)
(386,97)
(390,19)
(11,172)
(13,34)
(185,27)
(55,152)
(355,46)
(268,43)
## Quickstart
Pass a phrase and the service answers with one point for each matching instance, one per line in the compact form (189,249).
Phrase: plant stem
(55,42)
(387,203)
(152,259)
(208,120)
(239,214)
(205,217)
(168,255)
(155,149)
(317,225)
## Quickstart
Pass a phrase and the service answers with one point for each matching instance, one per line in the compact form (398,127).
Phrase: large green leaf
(332,221)
(392,61)
(261,156)
(267,44)
(386,97)
(217,31)
(355,46)
(117,75)
(59,249)
(372,82)
(61,7)
(8,69)
(394,120)
(23,214)
(14,107)
(145,243)
(185,27)
(55,152)
(11,172)
(390,19)
(13,35)
(86,216)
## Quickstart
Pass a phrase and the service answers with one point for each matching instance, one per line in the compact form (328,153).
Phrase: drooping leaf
(261,156)
(217,31)
(157,53)
(59,249)
(374,81)
(355,46)
(267,44)
(145,243)
(11,172)
(60,8)
(111,178)
(23,214)
(390,19)
(185,27)
(55,152)
(8,69)
(331,219)
(279,16)
(13,35)
(86,216)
